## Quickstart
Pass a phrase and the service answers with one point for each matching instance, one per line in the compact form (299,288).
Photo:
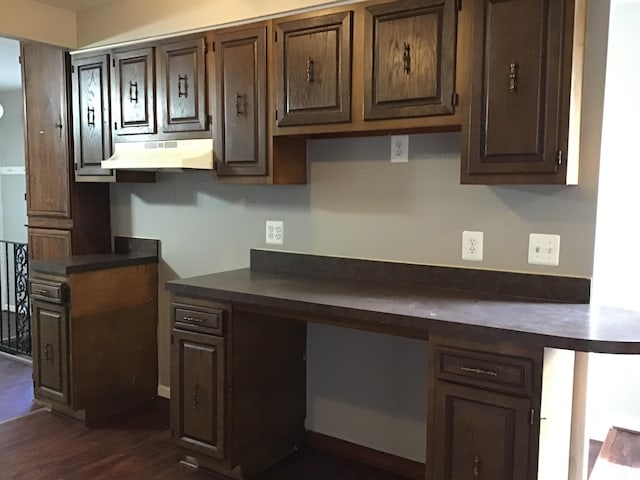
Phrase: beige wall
(124,20)
(27,19)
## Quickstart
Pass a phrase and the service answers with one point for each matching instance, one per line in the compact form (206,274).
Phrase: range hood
(170,154)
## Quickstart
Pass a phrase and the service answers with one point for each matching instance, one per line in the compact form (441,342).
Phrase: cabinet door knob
(514,70)
(133,92)
(182,86)
(91,117)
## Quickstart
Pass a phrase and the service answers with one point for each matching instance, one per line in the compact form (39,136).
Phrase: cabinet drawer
(48,291)
(497,372)
(199,319)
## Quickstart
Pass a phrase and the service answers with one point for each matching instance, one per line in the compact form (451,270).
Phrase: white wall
(13,211)
(613,398)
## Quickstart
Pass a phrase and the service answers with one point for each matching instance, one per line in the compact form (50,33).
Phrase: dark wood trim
(534,286)
(368,456)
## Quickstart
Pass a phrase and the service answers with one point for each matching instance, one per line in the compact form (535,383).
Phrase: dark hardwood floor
(16,389)
(47,446)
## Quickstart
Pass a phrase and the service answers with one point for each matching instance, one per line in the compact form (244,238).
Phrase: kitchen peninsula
(491,339)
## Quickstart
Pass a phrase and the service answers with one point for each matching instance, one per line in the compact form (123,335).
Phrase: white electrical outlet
(544,249)
(275,232)
(472,246)
(399,148)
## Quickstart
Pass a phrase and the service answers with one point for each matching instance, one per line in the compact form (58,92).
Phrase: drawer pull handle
(40,291)
(479,371)
(310,72)
(194,394)
(193,319)
(406,59)
(476,467)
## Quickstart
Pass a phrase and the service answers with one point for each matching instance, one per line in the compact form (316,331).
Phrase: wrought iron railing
(15,319)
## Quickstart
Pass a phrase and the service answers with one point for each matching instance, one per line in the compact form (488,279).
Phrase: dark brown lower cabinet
(200,398)
(484,434)
(238,386)
(50,353)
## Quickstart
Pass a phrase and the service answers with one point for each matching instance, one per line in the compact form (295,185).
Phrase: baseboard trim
(17,358)
(368,456)
(164,391)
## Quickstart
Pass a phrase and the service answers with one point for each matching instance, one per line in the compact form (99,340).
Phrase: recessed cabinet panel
(200,382)
(181,77)
(410,49)
(48,166)
(91,111)
(47,243)
(519,83)
(241,85)
(50,351)
(485,434)
(134,96)
(314,70)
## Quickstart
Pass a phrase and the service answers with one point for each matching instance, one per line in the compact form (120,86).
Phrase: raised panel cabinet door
(48,164)
(410,54)
(133,103)
(240,142)
(50,351)
(181,86)
(91,114)
(198,379)
(479,434)
(520,88)
(314,70)
(48,243)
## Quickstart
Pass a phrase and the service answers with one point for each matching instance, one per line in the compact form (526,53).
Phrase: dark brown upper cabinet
(133,105)
(518,125)
(181,86)
(410,59)
(240,141)
(314,69)
(91,114)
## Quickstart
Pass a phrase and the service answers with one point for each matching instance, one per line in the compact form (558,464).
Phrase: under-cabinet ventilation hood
(172,155)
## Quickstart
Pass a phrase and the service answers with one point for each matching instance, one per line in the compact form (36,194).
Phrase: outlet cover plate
(544,249)
(274,234)
(472,245)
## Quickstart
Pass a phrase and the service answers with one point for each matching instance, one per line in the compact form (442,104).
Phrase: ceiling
(9,66)
(75,5)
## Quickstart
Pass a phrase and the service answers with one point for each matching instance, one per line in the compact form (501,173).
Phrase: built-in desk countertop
(416,300)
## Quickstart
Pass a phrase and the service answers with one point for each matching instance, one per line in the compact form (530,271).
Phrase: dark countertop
(424,310)
(128,251)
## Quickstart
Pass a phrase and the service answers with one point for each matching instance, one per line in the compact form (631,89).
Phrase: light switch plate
(544,249)
(399,148)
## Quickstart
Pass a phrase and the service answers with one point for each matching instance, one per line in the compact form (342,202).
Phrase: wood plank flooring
(47,446)
(16,389)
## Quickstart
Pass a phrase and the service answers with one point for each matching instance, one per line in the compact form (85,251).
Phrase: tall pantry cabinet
(64,217)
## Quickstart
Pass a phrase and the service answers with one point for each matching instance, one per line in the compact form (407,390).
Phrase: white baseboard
(17,358)
(164,391)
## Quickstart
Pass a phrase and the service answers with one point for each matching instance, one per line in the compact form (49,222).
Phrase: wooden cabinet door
(91,114)
(240,141)
(314,70)
(520,91)
(50,351)
(198,380)
(479,434)
(410,52)
(47,243)
(181,86)
(48,164)
(133,104)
